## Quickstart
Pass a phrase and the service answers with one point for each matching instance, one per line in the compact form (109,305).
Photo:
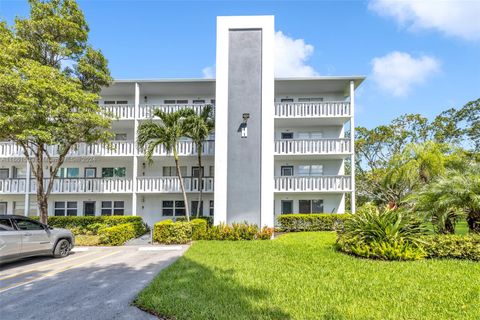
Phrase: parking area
(91,283)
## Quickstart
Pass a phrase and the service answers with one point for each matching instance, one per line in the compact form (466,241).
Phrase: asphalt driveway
(92,283)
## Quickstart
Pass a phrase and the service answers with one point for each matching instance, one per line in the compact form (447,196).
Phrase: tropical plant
(390,234)
(50,78)
(198,128)
(449,197)
(167,132)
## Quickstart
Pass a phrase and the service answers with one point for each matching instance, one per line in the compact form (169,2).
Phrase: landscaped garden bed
(301,276)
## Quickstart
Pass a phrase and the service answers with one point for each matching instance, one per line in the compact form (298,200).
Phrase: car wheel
(62,249)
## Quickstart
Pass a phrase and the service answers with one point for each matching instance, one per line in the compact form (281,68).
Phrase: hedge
(169,232)
(84,222)
(117,235)
(184,219)
(311,222)
(453,246)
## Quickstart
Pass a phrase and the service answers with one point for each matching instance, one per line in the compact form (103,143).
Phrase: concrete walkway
(140,241)
(92,283)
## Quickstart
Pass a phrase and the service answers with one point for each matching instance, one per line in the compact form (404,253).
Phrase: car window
(6,225)
(28,225)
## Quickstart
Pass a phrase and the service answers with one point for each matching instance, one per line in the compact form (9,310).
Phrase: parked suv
(23,237)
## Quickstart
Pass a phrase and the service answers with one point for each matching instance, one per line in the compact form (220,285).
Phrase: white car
(23,237)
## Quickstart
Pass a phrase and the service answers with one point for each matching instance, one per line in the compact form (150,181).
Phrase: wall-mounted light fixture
(145,99)
(243,126)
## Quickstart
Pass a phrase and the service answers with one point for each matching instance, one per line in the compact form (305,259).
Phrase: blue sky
(418,57)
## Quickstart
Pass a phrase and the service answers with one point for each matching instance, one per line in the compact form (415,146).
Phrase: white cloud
(291,56)
(457,18)
(209,72)
(397,72)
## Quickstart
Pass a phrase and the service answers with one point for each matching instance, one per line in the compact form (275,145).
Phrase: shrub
(265,234)
(244,231)
(184,219)
(220,232)
(117,235)
(382,234)
(453,246)
(169,232)
(84,240)
(199,229)
(311,222)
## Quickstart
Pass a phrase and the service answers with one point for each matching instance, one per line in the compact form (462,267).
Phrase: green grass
(300,276)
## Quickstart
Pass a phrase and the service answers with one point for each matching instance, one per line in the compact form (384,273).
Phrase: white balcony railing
(121,111)
(117,148)
(317,109)
(70,185)
(145,111)
(172,184)
(313,184)
(312,147)
(187,148)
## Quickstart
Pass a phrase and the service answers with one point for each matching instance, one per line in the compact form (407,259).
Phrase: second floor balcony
(313,184)
(172,184)
(309,147)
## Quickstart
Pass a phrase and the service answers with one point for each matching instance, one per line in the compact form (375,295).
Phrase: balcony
(117,148)
(172,184)
(318,147)
(313,184)
(187,148)
(69,185)
(146,110)
(312,110)
(121,111)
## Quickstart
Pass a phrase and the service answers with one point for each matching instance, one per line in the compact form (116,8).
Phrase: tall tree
(199,127)
(167,132)
(50,78)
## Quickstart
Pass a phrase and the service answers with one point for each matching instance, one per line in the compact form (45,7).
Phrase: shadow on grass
(188,290)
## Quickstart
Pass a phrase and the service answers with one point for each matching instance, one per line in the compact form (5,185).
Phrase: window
(68,173)
(6,225)
(196,172)
(310,135)
(169,101)
(212,171)
(28,225)
(287,206)
(310,170)
(172,208)
(113,172)
(286,100)
(19,208)
(90,172)
(19,172)
(109,102)
(286,135)
(314,99)
(89,208)
(65,208)
(310,206)
(172,171)
(199,101)
(122,102)
(116,208)
(193,209)
(211,207)
(182,101)
(120,136)
(4,173)
(3,208)
(212,101)
(287,171)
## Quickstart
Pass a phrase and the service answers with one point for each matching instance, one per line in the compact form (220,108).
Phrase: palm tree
(167,133)
(198,128)
(457,193)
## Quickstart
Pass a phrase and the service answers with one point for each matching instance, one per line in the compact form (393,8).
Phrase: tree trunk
(200,179)
(182,186)
(42,198)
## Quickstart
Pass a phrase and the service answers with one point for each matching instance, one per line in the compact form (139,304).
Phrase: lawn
(300,276)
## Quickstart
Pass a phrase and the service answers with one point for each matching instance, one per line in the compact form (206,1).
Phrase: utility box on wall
(244,120)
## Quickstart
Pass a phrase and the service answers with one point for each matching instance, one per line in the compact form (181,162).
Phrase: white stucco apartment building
(291,158)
